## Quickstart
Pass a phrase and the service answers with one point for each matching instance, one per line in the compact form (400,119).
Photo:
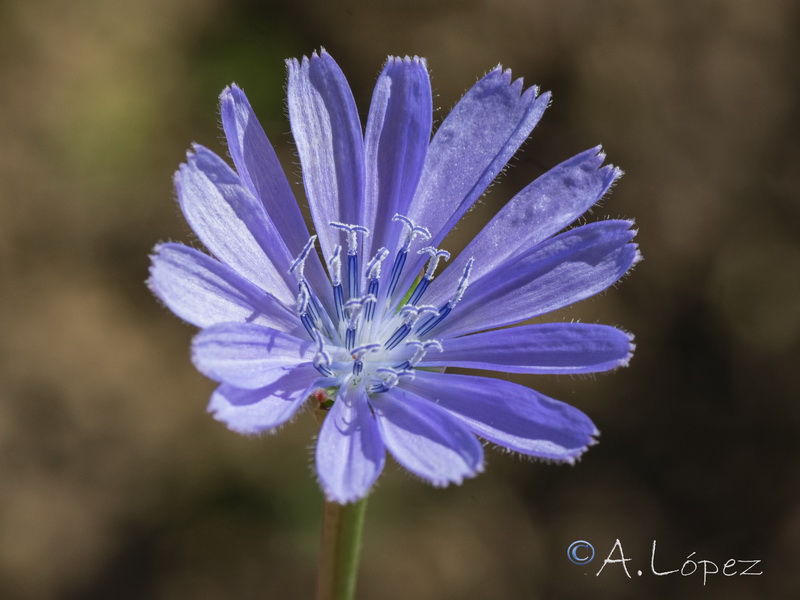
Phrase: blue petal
(425,439)
(570,267)
(260,170)
(330,143)
(470,148)
(248,356)
(204,292)
(254,411)
(510,415)
(553,348)
(232,223)
(545,207)
(397,137)
(350,453)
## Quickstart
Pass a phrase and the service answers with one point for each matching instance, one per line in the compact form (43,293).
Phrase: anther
(374,266)
(413,231)
(402,254)
(448,306)
(299,263)
(322,360)
(358,356)
(353,271)
(354,307)
(302,301)
(435,255)
(352,238)
(361,351)
(373,280)
(463,283)
(391,377)
(410,315)
(335,266)
(433,262)
(335,270)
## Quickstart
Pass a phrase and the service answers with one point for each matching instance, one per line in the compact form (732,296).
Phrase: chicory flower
(364,315)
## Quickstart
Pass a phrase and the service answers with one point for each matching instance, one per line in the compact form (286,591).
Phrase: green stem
(340,549)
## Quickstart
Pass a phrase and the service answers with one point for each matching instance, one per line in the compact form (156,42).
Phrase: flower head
(364,315)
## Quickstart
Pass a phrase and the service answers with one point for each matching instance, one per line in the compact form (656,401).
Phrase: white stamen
(391,376)
(299,263)
(413,231)
(435,255)
(335,266)
(463,283)
(354,307)
(360,352)
(322,360)
(410,314)
(374,266)
(302,301)
(352,238)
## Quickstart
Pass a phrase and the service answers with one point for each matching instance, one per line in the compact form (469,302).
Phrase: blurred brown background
(114,483)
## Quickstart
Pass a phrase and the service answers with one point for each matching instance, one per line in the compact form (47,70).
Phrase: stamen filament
(448,306)
(353,276)
(402,254)
(433,262)
(397,269)
(410,315)
(338,301)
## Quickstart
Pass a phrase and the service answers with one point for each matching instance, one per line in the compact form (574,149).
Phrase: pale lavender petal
(204,292)
(509,415)
(425,439)
(470,148)
(260,170)
(397,136)
(350,454)
(570,267)
(330,143)
(548,205)
(254,411)
(553,348)
(232,223)
(248,356)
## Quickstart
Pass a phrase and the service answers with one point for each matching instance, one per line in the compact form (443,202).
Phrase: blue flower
(363,315)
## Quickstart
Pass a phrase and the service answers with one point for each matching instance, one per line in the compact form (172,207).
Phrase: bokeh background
(114,483)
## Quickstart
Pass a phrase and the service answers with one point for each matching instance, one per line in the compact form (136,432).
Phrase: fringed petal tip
(231,98)
(518,83)
(195,154)
(443,483)
(631,349)
(151,282)
(614,172)
(303,62)
(571,456)
(406,59)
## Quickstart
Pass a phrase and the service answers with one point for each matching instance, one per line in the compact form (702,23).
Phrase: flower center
(375,338)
